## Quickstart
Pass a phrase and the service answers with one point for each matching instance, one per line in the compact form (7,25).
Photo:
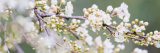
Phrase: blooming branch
(55,25)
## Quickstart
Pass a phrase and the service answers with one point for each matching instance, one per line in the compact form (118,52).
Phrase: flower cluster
(97,17)
(137,50)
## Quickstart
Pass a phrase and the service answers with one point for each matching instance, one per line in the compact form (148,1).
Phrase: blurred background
(146,10)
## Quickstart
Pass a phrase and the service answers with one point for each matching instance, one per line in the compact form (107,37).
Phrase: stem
(41,22)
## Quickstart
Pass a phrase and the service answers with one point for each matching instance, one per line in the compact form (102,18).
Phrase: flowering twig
(70,17)
(110,28)
(41,22)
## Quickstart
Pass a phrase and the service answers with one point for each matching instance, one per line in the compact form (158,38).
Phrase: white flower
(98,41)
(94,21)
(158,44)
(107,19)
(137,50)
(121,46)
(94,6)
(69,9)
(109,8)
(139,28)
(122,12)
(89,40)
(122,28)
(2,7)
(82,31)
(124,6)
(156,35)
(48,41)
(108,46)
(26,23)
(85,24)
(119,34)
(146,23)
(119,37)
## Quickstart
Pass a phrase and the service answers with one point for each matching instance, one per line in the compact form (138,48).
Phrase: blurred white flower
(139,28)
(83,32)
(109,8)
(85,24)
(26,23)
(94,6)
(47,41)
(122,12)
(12,3)
(98,41)
(119,37)
(2,8)
(119,34)
(121,46)
(69,9)
(156,35)
(108,46)
(22,5)
(157,44)
(106,18)
(19,5)
(137,50)
(89,40)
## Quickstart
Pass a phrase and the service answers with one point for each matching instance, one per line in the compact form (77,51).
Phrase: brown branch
(38,14)
(44,14)
(63,16)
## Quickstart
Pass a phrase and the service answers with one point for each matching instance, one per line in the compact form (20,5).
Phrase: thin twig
(44,14)
(38,14)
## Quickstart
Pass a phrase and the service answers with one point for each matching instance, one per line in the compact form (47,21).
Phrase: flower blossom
(98,41)
(119,34)
(84,33)
(27,24)
(108,46)
(121,46)
(97,17)
(122,12)
(137,50)
(139,28)
(157,44)
(156,35)
(109,8)
(69,9)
